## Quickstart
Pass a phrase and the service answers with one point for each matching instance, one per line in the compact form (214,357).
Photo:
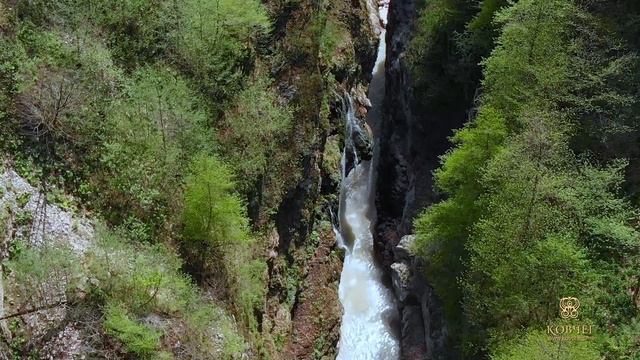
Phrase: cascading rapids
(369,306)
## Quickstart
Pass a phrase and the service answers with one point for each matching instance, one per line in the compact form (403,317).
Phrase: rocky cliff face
(326,58)
(423,328)
(410,146)
(27,217)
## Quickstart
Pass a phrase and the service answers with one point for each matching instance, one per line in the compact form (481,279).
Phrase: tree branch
(32,310)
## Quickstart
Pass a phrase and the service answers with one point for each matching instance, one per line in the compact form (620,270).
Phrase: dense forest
(189,133)
(540,189)
(170,176)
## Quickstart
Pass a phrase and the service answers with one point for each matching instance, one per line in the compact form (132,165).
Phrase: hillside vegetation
(540,187)
(180,128)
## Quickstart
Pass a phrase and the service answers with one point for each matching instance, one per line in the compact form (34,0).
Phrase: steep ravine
(301,318)
(410,144)
(370,316)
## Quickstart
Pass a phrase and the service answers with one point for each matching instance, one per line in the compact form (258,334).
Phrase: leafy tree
(214,43)
(252,137)
(530,62)
(153,132)
(443,228)
(523,198)
(213,216)
(216,234)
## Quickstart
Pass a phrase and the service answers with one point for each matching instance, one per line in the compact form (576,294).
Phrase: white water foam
(369,306)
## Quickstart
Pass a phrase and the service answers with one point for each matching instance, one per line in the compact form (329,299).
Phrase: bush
(213,42)
(137,339)
(136,31)
(216,235)
(129,282)
(253,135)
(153,132)
(146,279)
(43,276)
(541,346)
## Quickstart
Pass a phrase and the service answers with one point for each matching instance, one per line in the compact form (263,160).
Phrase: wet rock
(287,92)
(402,251)
(413,344)
(363,143)
(435,327)
(401,280)
(408,287)
(410,142)
(423,329)
(360,96)
(316,317)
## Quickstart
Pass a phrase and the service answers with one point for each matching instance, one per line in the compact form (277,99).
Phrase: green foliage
(153,132)
(59,89)
(252,136)
(539,345)
(42,274)
(23,199)
(121,103)
(146,280)
(481,31)
(213,42)
(530,64)
(129,281)
(334,42)
(213,216)
(477,143)
(624,344)
(528,219)
(216,234)
(11,54)
(443,228)
(135,30)
(137,338)
(444,70)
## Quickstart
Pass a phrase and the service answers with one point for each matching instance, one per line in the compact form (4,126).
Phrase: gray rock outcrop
(423,330)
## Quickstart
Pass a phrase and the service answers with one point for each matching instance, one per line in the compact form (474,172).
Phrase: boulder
(401,279)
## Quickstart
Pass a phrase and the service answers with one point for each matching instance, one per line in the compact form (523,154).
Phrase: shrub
(137,338)
(129,282)
(213,42)
(541,346)
(252,135)
(217,236)
(136,31)
(153,132)
(43,276)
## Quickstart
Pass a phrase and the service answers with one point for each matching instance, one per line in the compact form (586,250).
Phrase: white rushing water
(369,306)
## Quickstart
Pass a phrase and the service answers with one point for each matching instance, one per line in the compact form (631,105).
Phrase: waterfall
(369,308)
